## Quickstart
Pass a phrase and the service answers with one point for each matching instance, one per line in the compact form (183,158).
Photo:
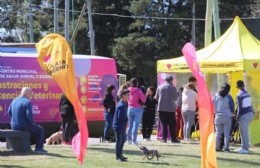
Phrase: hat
(123,92)
(240,84)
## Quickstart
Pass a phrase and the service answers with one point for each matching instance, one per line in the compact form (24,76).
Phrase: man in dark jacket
(21,115)
(68,117)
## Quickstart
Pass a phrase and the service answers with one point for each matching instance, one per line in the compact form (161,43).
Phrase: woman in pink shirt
(135,110)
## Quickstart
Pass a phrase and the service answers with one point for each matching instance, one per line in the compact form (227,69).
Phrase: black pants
(68,127)
(168,119)
(120,141)
(147,123)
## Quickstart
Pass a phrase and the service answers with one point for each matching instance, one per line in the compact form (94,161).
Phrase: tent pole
(245,81)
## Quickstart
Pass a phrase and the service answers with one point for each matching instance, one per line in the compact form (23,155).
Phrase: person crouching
(119,124)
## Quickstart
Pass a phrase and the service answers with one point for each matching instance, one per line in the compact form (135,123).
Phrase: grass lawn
(102,155)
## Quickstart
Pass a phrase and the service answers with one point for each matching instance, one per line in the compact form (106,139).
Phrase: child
(149,113)
(119,124)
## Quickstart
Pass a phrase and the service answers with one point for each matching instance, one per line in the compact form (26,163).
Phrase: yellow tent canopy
(236,50)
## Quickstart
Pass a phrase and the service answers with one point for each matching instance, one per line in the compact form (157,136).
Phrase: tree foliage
(136,43)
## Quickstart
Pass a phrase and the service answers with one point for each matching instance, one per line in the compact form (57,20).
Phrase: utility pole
(31,21)
(193,25)
(67,7)
(91,32)
(216,20)
(217,34)
(56,16)
(208,23)
(73,26)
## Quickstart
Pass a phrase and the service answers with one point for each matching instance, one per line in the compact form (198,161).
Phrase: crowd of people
(178,113)
(132,105)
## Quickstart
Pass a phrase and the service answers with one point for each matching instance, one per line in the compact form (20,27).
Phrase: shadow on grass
(219,158)
(129,152)
(12,166)
(13,153)
(136,152)
(159,163)
(240,161)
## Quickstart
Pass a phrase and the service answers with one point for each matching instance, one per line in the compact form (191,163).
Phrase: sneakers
(227,150)
(135,143)
(163,141)
(144,139)
(242,151)
(106,141)
(175,141)
(120,159)
(129,142)
(41,151)
(125,158)
(218,150)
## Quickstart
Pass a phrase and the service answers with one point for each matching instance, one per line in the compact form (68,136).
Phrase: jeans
(108,123)
(223,124)
(37,131)
(188,120)
(168,119)
(134,118)
(120,140)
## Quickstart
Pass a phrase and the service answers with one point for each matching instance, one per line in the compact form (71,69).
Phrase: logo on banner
(255,65)
(169,66)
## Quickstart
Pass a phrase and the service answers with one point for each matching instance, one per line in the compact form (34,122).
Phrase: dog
(55,138)
(149,154)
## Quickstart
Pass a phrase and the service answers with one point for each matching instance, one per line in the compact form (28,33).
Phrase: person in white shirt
(188,108)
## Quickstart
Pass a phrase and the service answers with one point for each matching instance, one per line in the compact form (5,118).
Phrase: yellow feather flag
(55,58)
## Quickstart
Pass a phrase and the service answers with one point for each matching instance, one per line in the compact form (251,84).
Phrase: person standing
(148,114)
(119,124)
(224,108)
(188,108)
(244,116)
(67,119)
(166,95)
(135,110)
(21,115)
(109,109)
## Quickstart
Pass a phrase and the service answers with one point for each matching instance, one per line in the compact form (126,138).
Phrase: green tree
(151,39)
(15,18)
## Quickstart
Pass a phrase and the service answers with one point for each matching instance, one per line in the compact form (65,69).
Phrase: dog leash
(137,145)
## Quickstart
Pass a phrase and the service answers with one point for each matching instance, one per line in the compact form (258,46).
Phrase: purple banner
(23,71)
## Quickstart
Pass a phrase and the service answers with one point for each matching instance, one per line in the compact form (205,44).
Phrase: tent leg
(245,81)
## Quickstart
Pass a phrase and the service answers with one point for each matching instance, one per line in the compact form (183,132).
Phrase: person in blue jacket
(119,124)
(245,114)
(21,115)
(224,108)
